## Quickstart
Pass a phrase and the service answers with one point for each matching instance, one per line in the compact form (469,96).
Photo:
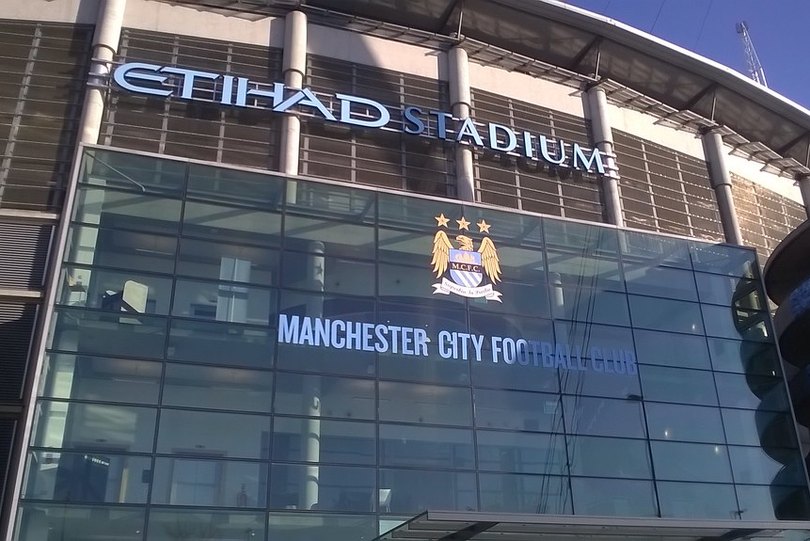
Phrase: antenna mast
(755,70)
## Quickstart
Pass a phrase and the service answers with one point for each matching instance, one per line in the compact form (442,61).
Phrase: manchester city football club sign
(463,269)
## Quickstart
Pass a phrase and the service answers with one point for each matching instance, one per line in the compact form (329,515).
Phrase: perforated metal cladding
(16,329)
(23,254)
(7,429)
(195,129)
(765,217)
(664,190)
(44,69)
(379,157)
(533,185)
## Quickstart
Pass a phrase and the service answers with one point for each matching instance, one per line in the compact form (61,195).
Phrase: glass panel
(676,385)
(581,237)
(697,500)
(232,224)
(115,291)
(317,199)
(608,457)
(129,250)
(218,483)
(728,260)
(581,304)
(96,478)
(199,433)
(727,290)
(603,350)
(102,333)
(93,427)
(517,410)
(398,283)
(325,488)
(754,392)
(396,246)
(772,502)
(660,282)
(223,302)
(613,497)
(413,403)
(521,453)
(100,379)
(744,357)
(736,323)
(119,210)
(684,423)
(767,466)
(412,491)
(516,228)
(402,445)
(691,462)
(219,184)
(665,315)
(603,417)
(219,343)
(577,270)
(132,172)
(535,494)
(680,350)
(217,388)
(653,249)
(760,428)
(77,523)
(329,237)
(320,440)
(306,527)
(174,524)
(298,394)
(524,297)
(412,213)
(317,272)
(227,261)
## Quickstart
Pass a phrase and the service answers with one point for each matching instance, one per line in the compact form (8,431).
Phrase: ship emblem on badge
(463,270)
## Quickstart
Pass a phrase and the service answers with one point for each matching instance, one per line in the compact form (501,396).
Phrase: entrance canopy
(461,526)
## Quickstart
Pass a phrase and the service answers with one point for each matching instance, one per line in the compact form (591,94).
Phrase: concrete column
(721,182)
(294,65)
(603,139)
(804,187)
(459,75)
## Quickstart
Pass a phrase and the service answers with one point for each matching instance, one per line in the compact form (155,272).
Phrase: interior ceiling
(759,122)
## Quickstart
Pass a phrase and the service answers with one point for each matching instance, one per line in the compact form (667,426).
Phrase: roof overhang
(476,526)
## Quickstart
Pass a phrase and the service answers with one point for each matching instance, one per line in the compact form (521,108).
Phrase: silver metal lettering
(127,72)
(346,102)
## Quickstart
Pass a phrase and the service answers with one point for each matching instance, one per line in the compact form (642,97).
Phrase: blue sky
(780,30)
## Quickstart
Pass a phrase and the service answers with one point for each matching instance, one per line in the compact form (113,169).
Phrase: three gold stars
(463,224)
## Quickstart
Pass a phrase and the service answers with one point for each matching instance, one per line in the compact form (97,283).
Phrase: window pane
(613,497)
(660,282)
(723,259)
(219,184)
(608,457)
(697,500)
(100,379)
(132,172)
(725,322)
(576,269)
(209,482)
(535,494)
(412,491)
(219,343)
(514,410)
(227,261)
(760,428)
(85,477)
(754,392)
(521,453)
(727,290)
(684,423)
(772,502)
(217,388)
(399,283)
(402,445)
(130,250)
(200,433)
(298,394)
(78,523)
(668,349)
(316,199)
(325,488)
(766,466)
(665,315)
(593,306)
(317,272)
(174,524)
(413,403)
(744,357)
(676,385)
(691,462)
(237,225)
(306,527)
(332,238)
(119,210)
(603,417)
(223,302)
(587,238)
(403,246)
(321,440)
(115,291)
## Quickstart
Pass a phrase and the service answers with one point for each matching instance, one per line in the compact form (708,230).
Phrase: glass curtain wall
(239,356)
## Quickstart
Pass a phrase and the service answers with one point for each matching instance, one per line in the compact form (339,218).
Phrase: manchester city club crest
(464,270)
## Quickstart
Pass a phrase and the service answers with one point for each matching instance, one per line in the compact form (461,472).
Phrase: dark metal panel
(16,329)
(23,254)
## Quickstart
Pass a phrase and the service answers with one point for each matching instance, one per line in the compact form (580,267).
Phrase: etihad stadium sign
(353,111)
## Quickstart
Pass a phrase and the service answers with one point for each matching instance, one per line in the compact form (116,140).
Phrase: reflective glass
(227,261)
(314,439)
(585,238)
(668,349)
(660,282)
(329,237)
(525,297)
(398,283)
(218,301)
(697,500)
(79,523)
(534,494)
(95,427)
(516,228)
(174,524)
(411,403)
(593,341)
(760,428)
(609,457)
(773,502)
(309,526)
(593,306)
(613,497)
(220,483)
(199,433)
(426,447)
(754,392)
(131,250)
(513,410)
(593,383)
(684,423)
(100,379)
(603,417)
(577,269)
(665,315)
(723,259)
(676,385)
(233,224)
(316,272)
(115,291)
(736,323)
(396,246)
(519,452)
(323,488)
(120,210)
(132,172)
(217,388)
(87,477)
(691,462)
(220,343)
(220,184)
(343,202)
(326,396)
(654,250)
(744,357)
(728,291)
(412,491)
(769,466)
(414,213)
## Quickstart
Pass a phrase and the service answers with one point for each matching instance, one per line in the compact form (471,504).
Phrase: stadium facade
(435,269)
